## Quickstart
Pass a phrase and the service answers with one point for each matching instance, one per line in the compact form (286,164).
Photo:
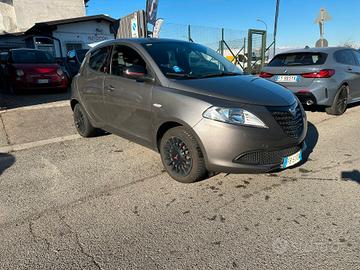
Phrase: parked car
(74,60)
(29,69)
(190,104)
(319,76)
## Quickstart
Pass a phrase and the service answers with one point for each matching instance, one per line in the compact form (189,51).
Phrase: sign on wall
(134,27)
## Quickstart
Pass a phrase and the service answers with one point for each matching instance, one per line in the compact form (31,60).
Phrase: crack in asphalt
(6,134)
(78,242)
(72,204)
(36,237)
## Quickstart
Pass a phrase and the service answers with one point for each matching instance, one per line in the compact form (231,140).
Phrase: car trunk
(298,81)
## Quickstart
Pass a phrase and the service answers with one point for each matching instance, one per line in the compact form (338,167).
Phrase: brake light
(44,70)
(266,75)
(324,73)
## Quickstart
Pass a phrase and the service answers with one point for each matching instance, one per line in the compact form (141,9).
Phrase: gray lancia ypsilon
(190,104)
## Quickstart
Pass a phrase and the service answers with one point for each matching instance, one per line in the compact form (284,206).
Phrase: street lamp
(266,27)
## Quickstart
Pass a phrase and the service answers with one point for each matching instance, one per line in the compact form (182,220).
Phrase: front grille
(290,119)
(267,157)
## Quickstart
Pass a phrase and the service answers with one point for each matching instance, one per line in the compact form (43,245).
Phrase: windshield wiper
(221,74)
(180,75)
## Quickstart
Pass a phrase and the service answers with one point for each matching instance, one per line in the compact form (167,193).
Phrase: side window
(99,59)
(124,57)
(357,56)
(345,57)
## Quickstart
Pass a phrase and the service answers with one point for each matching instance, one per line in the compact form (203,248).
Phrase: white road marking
(58,104)
(25,146)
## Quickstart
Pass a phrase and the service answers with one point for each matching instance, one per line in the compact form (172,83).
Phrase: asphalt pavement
(106,203)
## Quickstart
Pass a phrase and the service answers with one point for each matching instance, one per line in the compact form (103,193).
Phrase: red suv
(28,69)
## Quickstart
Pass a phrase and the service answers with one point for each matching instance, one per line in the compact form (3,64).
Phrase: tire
(82,122)
(340,102)
(181,156)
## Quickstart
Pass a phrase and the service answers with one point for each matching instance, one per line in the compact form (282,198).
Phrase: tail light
(266,75)
(324,73)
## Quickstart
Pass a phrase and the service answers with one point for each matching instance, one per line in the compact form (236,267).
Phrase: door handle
(110,88)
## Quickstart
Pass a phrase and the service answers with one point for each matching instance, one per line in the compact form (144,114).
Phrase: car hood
(243,88)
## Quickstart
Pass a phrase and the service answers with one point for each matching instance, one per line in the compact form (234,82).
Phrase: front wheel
(82,122)
(181,156)
(340,102)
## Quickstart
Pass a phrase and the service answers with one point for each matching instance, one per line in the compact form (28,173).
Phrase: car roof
(139,41)
(315,50)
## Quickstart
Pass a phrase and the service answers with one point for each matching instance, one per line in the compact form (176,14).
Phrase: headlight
(20,73)
(235,116)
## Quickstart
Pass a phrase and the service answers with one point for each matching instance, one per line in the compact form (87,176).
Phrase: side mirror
(71,54)
(138,73)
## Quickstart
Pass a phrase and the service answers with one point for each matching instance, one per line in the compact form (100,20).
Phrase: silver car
(319,76)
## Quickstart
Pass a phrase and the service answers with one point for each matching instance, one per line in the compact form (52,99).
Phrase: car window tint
(99,59)
(298,59)
(124,57)
(345,57)
(357,56)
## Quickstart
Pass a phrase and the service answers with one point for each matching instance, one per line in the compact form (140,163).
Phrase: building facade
(60,36)
(20,15)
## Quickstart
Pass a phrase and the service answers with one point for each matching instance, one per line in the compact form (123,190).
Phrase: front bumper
(224,144)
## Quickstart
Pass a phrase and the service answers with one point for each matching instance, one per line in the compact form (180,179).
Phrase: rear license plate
(43,81)
(287,78)
(292,160)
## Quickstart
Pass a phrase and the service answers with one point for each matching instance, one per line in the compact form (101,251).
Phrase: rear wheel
(181,156)
(82,122)
(340,102)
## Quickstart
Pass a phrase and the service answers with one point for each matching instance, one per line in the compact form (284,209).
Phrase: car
(74,60)
(191,105)
(3,60)
(30,69)
(328,77)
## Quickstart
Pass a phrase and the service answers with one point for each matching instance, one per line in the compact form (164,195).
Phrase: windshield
(298,59)
(181,60)
(32,57)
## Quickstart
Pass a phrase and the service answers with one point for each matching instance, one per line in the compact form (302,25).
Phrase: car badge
(293,110)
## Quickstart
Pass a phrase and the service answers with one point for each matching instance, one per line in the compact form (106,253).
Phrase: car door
(128,101)
(357,73)
(91,84)
(347,63)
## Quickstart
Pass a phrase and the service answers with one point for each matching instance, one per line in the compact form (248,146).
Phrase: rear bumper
(24,85)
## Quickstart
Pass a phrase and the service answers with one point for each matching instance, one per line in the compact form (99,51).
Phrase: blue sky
(296,21)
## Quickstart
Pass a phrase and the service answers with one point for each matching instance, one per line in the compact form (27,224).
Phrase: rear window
(298,59)
(32,57)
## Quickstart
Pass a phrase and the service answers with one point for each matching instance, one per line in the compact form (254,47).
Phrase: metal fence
(231,43)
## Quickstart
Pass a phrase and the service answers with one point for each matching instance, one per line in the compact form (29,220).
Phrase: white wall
(7,18)
(84,33)
(29,12)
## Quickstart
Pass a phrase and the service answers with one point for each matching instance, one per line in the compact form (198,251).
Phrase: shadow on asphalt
(8,101)
(351,176)
(311,140)
(6,161)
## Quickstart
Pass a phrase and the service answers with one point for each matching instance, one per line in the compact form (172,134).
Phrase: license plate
(292,160)
(287,78)
(43,81)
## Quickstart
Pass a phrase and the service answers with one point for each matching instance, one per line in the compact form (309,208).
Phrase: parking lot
(107,203)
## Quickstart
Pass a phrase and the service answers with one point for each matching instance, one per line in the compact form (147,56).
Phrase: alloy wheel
(178,156)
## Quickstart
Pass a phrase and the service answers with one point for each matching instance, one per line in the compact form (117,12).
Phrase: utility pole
(276,23)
